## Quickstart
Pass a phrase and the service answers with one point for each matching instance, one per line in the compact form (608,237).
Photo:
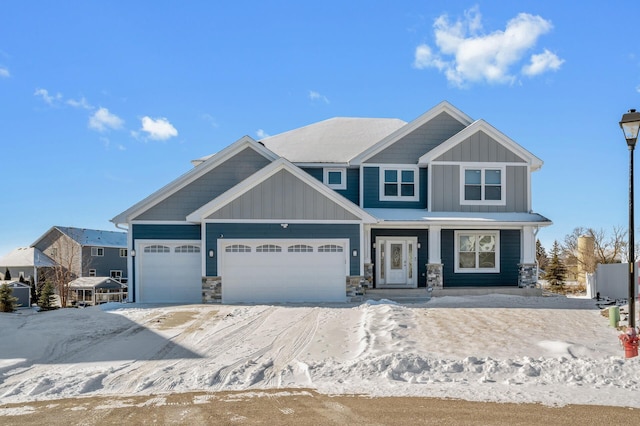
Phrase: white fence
(611,280)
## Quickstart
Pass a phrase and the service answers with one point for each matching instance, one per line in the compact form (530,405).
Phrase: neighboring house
(442,201)
(97,290)
(20,291)
(86,252)
(25,262)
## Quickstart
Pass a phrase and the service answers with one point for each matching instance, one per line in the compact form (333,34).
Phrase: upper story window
(335,178)
(123,252)
(477,251)
(97,251)
(399,184)
(482,185)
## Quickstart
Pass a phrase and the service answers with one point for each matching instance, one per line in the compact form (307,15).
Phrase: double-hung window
(483,185)
(399,184)
(477,251)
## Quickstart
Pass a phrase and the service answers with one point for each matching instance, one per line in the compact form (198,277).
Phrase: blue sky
(102,103)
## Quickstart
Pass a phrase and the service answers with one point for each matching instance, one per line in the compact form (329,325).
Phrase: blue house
(442,201)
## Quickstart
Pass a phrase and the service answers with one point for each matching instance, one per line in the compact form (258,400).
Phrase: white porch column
(434,244)
(528,248)
(366,241)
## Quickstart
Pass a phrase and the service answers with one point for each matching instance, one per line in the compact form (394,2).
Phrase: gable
(206,187)
(283,196)
(481,142)
(480,147)
(409,148)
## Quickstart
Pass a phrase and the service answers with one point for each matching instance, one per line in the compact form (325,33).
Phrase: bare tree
(68,257)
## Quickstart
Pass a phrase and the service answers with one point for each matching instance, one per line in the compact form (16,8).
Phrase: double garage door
(252,271)
(282,270)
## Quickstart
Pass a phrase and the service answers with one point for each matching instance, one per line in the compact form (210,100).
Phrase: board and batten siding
(480,147)
(215,231)
(371,191)
(352,193)
(445,190)
(198,193)
(509,260)
(411,147)
(283,196)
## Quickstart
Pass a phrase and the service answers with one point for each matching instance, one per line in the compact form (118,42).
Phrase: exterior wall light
(211,253)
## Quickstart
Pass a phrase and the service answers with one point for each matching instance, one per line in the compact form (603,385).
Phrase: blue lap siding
(509,260)
(214,231)
(352,193)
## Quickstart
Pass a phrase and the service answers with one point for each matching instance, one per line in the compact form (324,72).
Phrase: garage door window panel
(300,248)
(157,249)
(268,248)
(187,249)
(237,248)
(330,248)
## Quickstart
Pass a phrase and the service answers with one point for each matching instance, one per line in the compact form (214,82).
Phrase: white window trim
(458,270)
(124,252)
(482,167)
(400,169)
(97,251)
(117,275)
(343,177)
(92,272)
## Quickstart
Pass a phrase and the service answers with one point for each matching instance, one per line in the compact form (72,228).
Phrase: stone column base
(211,289)
(435,279)
(527,275)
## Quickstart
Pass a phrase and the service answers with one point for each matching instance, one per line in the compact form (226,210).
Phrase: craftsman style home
(443,201)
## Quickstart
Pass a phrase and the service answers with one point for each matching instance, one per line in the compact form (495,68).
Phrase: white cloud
(210,119)
(261,134)
(46,97)
(4,72)
(542,62)
(315,96)
(103,120)
(159,128)
(465,54)
(81,103)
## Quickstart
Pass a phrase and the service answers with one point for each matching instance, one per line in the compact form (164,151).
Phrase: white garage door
(275,270)
(169,271)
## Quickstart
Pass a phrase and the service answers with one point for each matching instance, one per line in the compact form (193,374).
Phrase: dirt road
(299,407)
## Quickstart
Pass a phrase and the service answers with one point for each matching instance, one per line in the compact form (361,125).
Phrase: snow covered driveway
(553,350)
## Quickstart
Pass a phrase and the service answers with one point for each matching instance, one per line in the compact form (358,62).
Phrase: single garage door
(277,270)
(169,272)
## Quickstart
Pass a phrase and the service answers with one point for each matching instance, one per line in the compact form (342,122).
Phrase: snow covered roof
(94,237)
(458,218)
(14,284)
(26,256)
(336,140)
(93,282)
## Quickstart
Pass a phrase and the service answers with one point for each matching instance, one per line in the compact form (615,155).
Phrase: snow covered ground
(554,350)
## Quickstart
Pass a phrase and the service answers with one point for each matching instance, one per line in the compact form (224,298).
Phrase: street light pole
(630,125)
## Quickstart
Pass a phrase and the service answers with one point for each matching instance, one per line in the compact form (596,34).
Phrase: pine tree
(7,301)
(7,274)
(46,296)
(541,255)
(556,269)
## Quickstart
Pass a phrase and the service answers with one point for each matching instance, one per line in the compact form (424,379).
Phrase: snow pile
(553,350)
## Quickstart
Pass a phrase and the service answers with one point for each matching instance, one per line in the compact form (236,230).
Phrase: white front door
(397,258)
